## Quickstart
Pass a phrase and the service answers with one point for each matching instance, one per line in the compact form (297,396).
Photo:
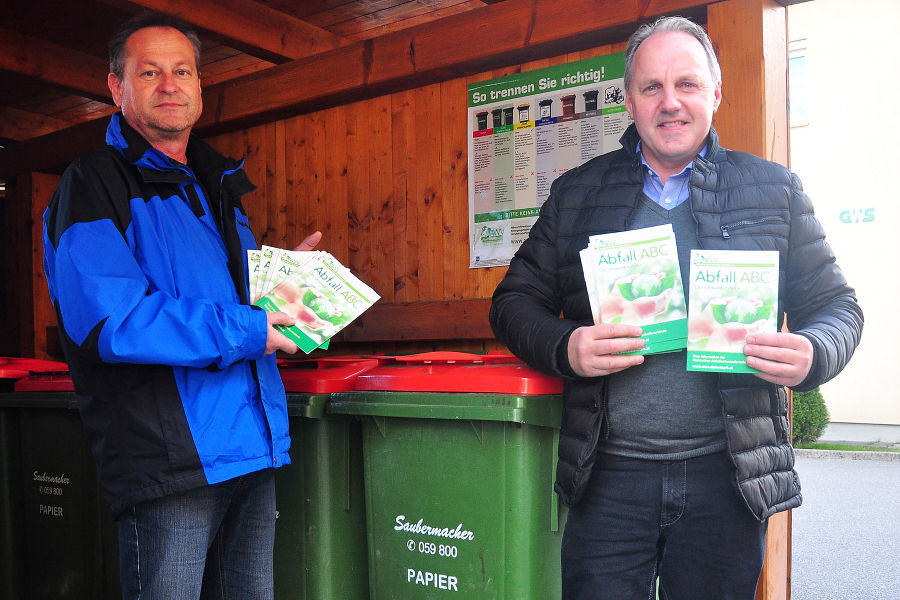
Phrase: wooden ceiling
(267,59)
(53,52)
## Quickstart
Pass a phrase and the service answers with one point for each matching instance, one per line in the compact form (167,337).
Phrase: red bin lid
(13,373)
(19,368)
(459,372)
(326,375)
(54,382)
(33,365)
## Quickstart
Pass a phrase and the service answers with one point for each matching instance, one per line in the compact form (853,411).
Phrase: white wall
(849,159)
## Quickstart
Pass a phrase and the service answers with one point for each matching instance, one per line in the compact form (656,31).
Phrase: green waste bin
(459,457)
(320,533)
(66,537)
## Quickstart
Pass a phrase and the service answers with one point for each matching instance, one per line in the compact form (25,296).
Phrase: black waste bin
(65,541)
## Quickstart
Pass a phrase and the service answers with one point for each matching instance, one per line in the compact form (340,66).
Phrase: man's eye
(182,73)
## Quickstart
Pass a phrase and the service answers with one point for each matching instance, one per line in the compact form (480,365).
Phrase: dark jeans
(682,521)
(214,542)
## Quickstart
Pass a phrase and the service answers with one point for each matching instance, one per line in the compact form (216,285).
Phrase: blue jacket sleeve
(107,306)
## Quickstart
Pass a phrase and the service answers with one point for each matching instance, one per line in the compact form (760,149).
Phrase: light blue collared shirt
(676,189)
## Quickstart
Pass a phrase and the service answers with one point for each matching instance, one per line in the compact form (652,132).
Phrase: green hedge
(810,416)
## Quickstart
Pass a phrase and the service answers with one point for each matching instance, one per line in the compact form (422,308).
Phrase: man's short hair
(666,24)
(142,21)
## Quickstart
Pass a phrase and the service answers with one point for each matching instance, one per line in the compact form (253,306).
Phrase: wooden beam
(518,31)
(751,39)
(83,74)
(16,124)
(421,321)
(52,152)
(438,320)
(252,26)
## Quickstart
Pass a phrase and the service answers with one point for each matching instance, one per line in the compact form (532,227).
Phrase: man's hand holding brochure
(634,278)
(311,286)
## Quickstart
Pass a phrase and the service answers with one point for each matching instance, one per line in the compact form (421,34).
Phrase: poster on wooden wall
(527,129)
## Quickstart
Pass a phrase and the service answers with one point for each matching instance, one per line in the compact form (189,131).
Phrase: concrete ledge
(851,454)
(861,433)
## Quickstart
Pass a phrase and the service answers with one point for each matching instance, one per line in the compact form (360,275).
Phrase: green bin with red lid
(459,456)
(320,533)
(56,528)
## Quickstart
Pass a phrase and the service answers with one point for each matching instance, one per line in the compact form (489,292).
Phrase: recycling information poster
(527,129)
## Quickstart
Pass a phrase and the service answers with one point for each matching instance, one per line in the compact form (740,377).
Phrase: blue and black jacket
(145,259)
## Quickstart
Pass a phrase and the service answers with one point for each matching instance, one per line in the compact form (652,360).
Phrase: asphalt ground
(846,536)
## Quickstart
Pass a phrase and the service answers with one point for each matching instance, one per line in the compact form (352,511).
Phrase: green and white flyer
(633,278)
(258,263)
(314,288)
(733,294)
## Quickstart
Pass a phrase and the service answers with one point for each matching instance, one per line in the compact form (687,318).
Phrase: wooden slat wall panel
(300,179)
(379,195)
(454,185)
(406,273)
(337,164)
(429,194)
(360,238)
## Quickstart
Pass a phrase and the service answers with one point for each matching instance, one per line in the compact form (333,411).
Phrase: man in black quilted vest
(671,475)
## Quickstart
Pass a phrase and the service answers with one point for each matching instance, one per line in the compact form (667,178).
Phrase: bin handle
(448,357)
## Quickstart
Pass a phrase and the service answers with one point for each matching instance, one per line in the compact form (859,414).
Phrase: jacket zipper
(726,229)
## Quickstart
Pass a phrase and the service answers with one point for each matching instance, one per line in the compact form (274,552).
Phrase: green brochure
(314,288)
(633,277)
(733,294)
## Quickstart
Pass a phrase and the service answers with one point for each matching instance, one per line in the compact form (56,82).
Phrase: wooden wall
(385,180)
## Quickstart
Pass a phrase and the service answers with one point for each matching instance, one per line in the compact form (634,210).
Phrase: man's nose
(167,82)
(670,100)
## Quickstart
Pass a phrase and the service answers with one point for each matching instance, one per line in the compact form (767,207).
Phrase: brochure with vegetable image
(253,264)
(733,294)
(633,277)
(259,269)
(317,290)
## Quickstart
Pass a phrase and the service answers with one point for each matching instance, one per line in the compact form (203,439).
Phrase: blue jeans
(213,542)
(681,521)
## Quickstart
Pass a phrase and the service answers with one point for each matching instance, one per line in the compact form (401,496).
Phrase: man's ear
(717,95)
(115,88)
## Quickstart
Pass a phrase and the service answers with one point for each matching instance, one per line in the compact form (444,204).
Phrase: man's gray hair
(142,21)
(667,24)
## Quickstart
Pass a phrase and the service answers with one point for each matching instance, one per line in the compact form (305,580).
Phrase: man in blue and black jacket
(145,245)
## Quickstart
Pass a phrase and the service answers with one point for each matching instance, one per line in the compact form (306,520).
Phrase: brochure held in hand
(633,278)
(311,286)
(733,294)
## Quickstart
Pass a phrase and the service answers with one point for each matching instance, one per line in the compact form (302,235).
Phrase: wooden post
(751,39)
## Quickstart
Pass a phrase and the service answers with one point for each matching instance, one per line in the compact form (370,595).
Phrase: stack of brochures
(732,294)
(311,286)
(633,278)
